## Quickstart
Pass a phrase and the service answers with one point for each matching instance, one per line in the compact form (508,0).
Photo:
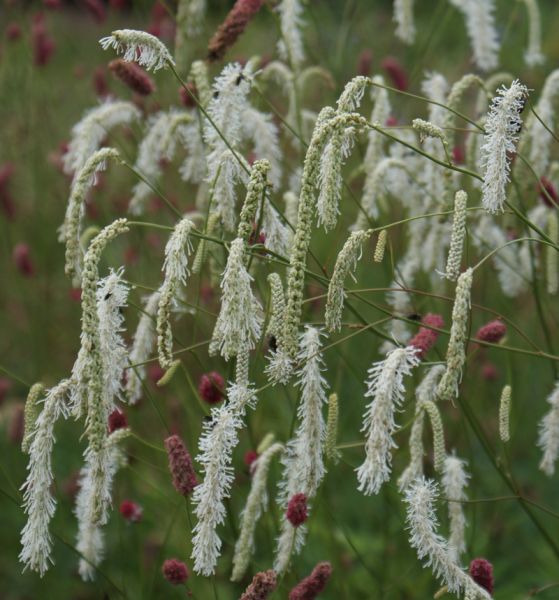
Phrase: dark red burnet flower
(155,372)
(492,332)
(13,32)
(392,121)
(261,586)
(100,84)
(180,465)
(314,584)
(175,571)
(42,43)
(133,76)
(117,420)
(458,155)
(396,72)
(426,338)
(297,510)
(211,386)
(365,62)
(131,511)
(96,9)
(548,193)
(249,457)
(186,98)
(22,260)
(481,571)
(489,372)
(6,199)
(233,26)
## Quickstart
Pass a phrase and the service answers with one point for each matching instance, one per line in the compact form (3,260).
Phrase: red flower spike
(481,571)
(175,571)
(297,510)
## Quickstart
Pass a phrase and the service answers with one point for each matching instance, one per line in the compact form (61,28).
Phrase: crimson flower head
(425,338)
(43,44)
(492,332)
(233,26)
(97,10)
(261,586)
(314,584)
(180,465)
(365,62)
(131,511)
(249,457)
(297,511)
(211,387)
(489,372)
(548,193)
(133,76)
(481,571)
(22,260)
(396,72)
(175,571)
(13,32)
(186,99)
(117,420)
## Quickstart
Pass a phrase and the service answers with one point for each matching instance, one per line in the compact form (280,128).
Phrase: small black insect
(239,79)
(414,317)
(273,344)
(108,295)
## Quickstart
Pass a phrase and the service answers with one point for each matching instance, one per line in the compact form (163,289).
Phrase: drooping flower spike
(139,46)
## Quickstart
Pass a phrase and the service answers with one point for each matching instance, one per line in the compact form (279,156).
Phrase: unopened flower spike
(32,411)
(454,259)
(403,15)
(504,413)
(256,188)
(385,387)
(71,228)
(438,434)
(277,306)
(291,46)
(190,19)
(176,270)
(431,546)
(261,586)
(345,264)
(139,46)
(330,450)
(552,259)
(380,246)
(456,351)
(255,504)
(502,129)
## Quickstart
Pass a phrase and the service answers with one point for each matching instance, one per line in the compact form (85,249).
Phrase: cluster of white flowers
(140,47)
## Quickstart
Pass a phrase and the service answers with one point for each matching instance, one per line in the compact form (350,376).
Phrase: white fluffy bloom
(291,46)
(91,130)
(422,524)
(158,144)
(303,461)
(142,346)
(533,55)
(385,386)
(239,323)
(38,501)
(193,169)
(549,434)
(260,129)
(480,23)
(140,47)
(216,445)
(403,15)
(454,482)
(502,129)
(277,232)
(536,135)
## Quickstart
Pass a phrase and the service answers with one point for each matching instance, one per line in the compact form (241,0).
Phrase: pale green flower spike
(457,237)
(32,411)
(255,504)
(256,188)
(202,250)
(345,264)
(552,265)
(169,373)
(266,442)
(199,74)
(456,351)
(330,450)
(277,312)
(380,246)
(504,414)
(438,434)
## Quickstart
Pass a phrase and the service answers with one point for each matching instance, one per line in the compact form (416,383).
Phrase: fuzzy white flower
(502,129)
(385,386)
(91,130)
(533,55)
(38,502)
(454,482)
(291,46)
(480,24)
(303,461)
(142,346)
(239,323)
(403,15)
(140,47)
(431,546)
(549,434)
